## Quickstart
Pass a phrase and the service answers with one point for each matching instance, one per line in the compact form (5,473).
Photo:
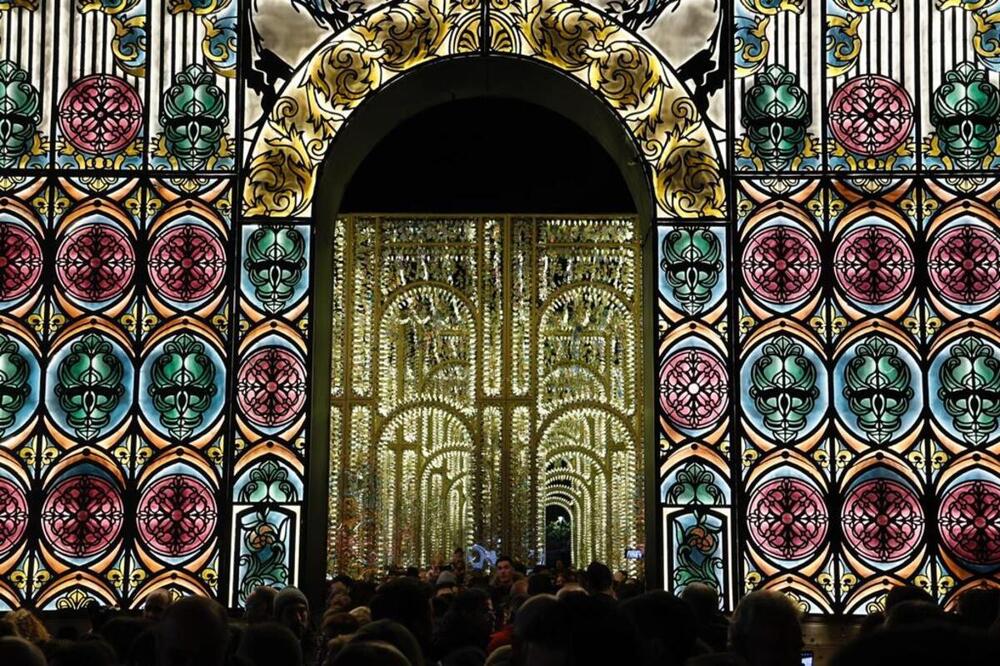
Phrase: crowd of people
(448,616)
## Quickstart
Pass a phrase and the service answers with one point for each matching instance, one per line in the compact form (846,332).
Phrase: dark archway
(426,87)
(488,155)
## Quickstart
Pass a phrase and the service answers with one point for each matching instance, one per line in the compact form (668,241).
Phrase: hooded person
(291,609)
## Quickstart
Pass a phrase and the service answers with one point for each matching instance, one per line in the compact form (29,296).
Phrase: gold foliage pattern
(619,67)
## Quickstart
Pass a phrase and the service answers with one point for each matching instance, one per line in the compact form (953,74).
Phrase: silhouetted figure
(540,583)
(541,633)
(940,644)
(912,613)
(467,656)
(468,623)
(361,593)
(82,653)
(370,654)
(16,651)
(406,601)
(156,605)
(338,624)
(901,593)
(269,644)
(502,656)
(600,580)
(713,627)
(765,630)
(335,625)
(193,632)
(665,626)
(291,609)
(980,607)
(123,635)
(260,605)
(394,634)
(629,589)
(7,628)
(599,633)
(28,626)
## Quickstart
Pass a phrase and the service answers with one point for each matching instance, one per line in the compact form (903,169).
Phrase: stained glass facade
(822,181)
(866,231)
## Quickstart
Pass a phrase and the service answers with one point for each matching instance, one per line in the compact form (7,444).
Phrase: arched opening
(460,153)
(488,155)
(558,535)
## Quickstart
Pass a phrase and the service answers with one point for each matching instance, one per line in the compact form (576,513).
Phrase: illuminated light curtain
(483,369)
(116,203)
(868,247)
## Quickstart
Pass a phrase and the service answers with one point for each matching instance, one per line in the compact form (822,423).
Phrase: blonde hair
(27,626)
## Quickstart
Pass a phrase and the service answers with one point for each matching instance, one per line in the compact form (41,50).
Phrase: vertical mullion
(735,567)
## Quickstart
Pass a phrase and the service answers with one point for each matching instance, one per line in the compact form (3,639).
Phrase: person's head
(541,633)
(501,656)
(599,633)
(629,589)
(406,601)
(339,584)
(98,614)
(374,653)
(362,592)
(291,608)
(340,603)
(394,634)
(599,578)
(122,632)
(269,644)
(935,644)
(505,570)
(665,627)
(913,612)
(467,656)
(28,626)
(901,593)
(765,630)
(980,607)
(468,621)
(260,604)
(82,653)
(446,584)
(540,583)
(362,614)
(156,605)
(338,624)
(329,651)
(703,600)
(16,651)
(193,632)
(571,589)
(458,556)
